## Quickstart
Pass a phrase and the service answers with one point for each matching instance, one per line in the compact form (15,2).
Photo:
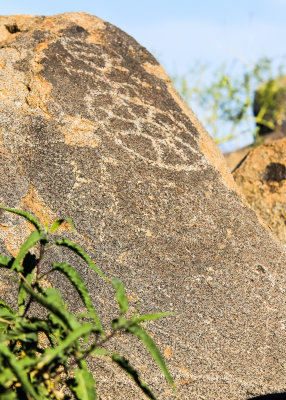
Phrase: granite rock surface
(92,129)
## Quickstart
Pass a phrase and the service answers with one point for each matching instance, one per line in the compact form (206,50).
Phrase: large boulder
(92,129)
(235,158)
(262,179)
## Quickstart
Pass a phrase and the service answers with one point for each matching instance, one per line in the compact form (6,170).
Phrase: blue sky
(183,31)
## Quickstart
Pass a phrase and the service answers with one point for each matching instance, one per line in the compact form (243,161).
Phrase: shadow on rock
(274,396)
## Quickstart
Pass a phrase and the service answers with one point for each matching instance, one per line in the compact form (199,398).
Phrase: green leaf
(6,262)
(25,337)
(18,371)
(121,323)
(120,294)
(100,352)
(57,353)
(9,395)
(52,300)
(7,317)
(136,330)
(28,331)
(26,215)
(6,377)
(80,252)
(80,287)
(30,242)
(59,222)
(151,316)
(124,364)
(84,385)
(5,306)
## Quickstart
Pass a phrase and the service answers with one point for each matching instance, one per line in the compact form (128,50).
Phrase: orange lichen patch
(145,84)
(168,353)
(4,34)
(96,37)
(45,283)
(41,47)
(156,70)
(3,288)
(80,132)
(86,239)
(4,227)
(23,21)
(94,25)
(65,226)
(40,91)
(181,382)
(43,87)
(37,207)
(132,297)
(4,95)
(214,156)
(119,68)
(148,233)
(184,370)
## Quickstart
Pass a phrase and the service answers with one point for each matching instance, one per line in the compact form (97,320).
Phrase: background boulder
(262,179)
(92,129)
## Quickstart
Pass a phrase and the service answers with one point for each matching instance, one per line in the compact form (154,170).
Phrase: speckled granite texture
(92,129)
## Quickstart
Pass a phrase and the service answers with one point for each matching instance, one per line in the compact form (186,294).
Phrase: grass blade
(136,330)
(124,364)
(18,371)
(120,294)
(84,385)
(76,280)
(6,262)
(59,222)
(52,354)
(152,317)
(30,242)
(80,252)
(26,215)
(51,301)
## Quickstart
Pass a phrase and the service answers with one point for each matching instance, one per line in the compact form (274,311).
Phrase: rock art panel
(92,129)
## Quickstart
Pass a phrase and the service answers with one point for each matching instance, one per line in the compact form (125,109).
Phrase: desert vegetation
(226,98)
(45,357)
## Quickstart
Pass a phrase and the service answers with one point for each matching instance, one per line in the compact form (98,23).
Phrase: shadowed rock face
(92,129)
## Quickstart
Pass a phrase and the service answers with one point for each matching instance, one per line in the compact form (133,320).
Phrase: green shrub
(269,105)
(224,98)
(58,369)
